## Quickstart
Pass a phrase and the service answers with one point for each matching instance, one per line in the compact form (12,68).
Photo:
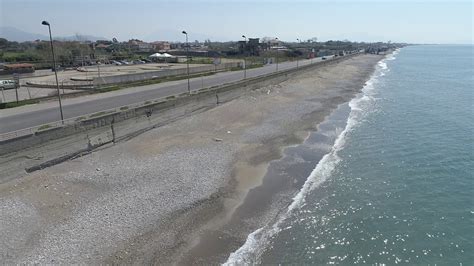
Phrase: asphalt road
(73,108)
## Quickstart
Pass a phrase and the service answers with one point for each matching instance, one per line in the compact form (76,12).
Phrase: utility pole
(187,59)
(98,68)
(55,69)
(276,58)
(245,62)
(297,55)
(17,84)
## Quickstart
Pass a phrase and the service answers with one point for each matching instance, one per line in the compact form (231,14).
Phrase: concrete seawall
(54,145)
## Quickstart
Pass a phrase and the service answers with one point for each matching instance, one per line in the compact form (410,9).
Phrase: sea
(394,184)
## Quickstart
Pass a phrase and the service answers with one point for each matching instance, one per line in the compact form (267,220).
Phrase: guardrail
(62,84)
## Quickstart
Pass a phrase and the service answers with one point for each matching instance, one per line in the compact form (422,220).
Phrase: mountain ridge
(17,35)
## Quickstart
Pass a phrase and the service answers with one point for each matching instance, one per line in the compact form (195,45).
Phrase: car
(117,63)
(7,84)
(324,58)
(146,60)
(59,68)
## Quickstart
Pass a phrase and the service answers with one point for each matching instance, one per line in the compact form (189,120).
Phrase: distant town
(30,55)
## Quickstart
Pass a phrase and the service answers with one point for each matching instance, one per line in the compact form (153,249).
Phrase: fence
(108,80)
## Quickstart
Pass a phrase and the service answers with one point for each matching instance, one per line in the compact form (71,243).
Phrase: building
(273,42)
(252,47)
(102,46)
(18,68)
(161,46)
(140,46)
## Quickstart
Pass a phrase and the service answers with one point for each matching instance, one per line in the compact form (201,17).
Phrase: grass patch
(15,104)
(147,102)
(201,60)
(107,89)
(123,108)
(97,114)
(254,66)
(80,118)
(43,127)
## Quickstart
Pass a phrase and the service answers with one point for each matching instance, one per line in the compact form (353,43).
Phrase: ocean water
(397,184)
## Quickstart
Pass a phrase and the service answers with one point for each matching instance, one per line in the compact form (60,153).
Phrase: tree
(3,43)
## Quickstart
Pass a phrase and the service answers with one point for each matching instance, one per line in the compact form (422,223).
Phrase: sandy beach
(178,194)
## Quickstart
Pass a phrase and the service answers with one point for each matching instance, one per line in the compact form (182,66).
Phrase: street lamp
(276,56)
(187,59)
(245,62)
(55,69)
(297,55)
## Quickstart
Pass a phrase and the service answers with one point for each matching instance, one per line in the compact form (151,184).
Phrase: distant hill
(17,35)
(14,34)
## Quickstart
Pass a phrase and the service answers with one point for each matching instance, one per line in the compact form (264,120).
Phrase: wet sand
(179,193)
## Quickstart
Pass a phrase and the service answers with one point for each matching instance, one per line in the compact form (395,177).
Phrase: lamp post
(297,55)
(55,69)
(245,62)
(187,59)
(276,58)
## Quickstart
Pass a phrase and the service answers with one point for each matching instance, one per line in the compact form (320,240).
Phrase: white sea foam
(258,241)
(392,56)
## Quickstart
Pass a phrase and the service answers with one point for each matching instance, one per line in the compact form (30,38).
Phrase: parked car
(7,84)
(117,63)
(324,58)
(146,60)
(58,67)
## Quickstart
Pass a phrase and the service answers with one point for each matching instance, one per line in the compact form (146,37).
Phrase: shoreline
(211,242)
(145,197)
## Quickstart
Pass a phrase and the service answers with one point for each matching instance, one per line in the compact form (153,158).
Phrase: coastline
(153,197)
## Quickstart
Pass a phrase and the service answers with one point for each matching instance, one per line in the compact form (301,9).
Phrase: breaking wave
(258,241)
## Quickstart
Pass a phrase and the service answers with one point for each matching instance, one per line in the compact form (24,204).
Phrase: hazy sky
(399,21)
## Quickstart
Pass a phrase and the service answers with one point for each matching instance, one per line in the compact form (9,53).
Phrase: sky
(398,21)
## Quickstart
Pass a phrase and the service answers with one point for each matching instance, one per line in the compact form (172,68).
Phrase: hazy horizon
(433,22)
